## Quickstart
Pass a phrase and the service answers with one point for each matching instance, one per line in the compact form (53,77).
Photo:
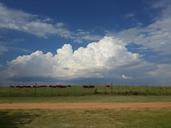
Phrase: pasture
(86,118)
(81,94)
(52,91)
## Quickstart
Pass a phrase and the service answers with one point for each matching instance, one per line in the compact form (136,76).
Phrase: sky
(85,42)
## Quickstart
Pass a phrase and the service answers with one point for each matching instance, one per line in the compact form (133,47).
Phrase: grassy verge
(85,119)
(91,98)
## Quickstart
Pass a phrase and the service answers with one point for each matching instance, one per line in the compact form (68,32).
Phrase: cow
(88,86)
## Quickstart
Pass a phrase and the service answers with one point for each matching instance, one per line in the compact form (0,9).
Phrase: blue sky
(85,41)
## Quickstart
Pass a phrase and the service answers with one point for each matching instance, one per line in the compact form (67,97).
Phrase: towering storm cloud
(131,46)
(93,60)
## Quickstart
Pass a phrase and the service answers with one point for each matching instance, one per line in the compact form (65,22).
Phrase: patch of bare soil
(156,105)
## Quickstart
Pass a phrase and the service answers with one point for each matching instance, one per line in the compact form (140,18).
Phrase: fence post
(35,90)
(111,87)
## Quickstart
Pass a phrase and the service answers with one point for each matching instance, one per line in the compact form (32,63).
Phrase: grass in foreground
(91,98)
(85,119)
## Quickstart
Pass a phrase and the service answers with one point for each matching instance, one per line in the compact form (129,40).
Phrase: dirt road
(156,105)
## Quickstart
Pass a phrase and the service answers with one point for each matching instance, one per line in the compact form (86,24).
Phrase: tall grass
(80,91)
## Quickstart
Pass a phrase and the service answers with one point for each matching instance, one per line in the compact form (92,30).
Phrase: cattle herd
(40,86)
(52,86)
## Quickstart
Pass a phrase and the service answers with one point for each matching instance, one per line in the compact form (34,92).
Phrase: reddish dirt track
(151,105)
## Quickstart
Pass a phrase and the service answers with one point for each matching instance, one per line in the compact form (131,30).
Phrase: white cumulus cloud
(126,77)
(93,60)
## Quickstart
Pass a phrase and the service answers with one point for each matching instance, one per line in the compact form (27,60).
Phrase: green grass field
(80,91)
(80,94)
(102,118)
(90,98)
(85,119)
